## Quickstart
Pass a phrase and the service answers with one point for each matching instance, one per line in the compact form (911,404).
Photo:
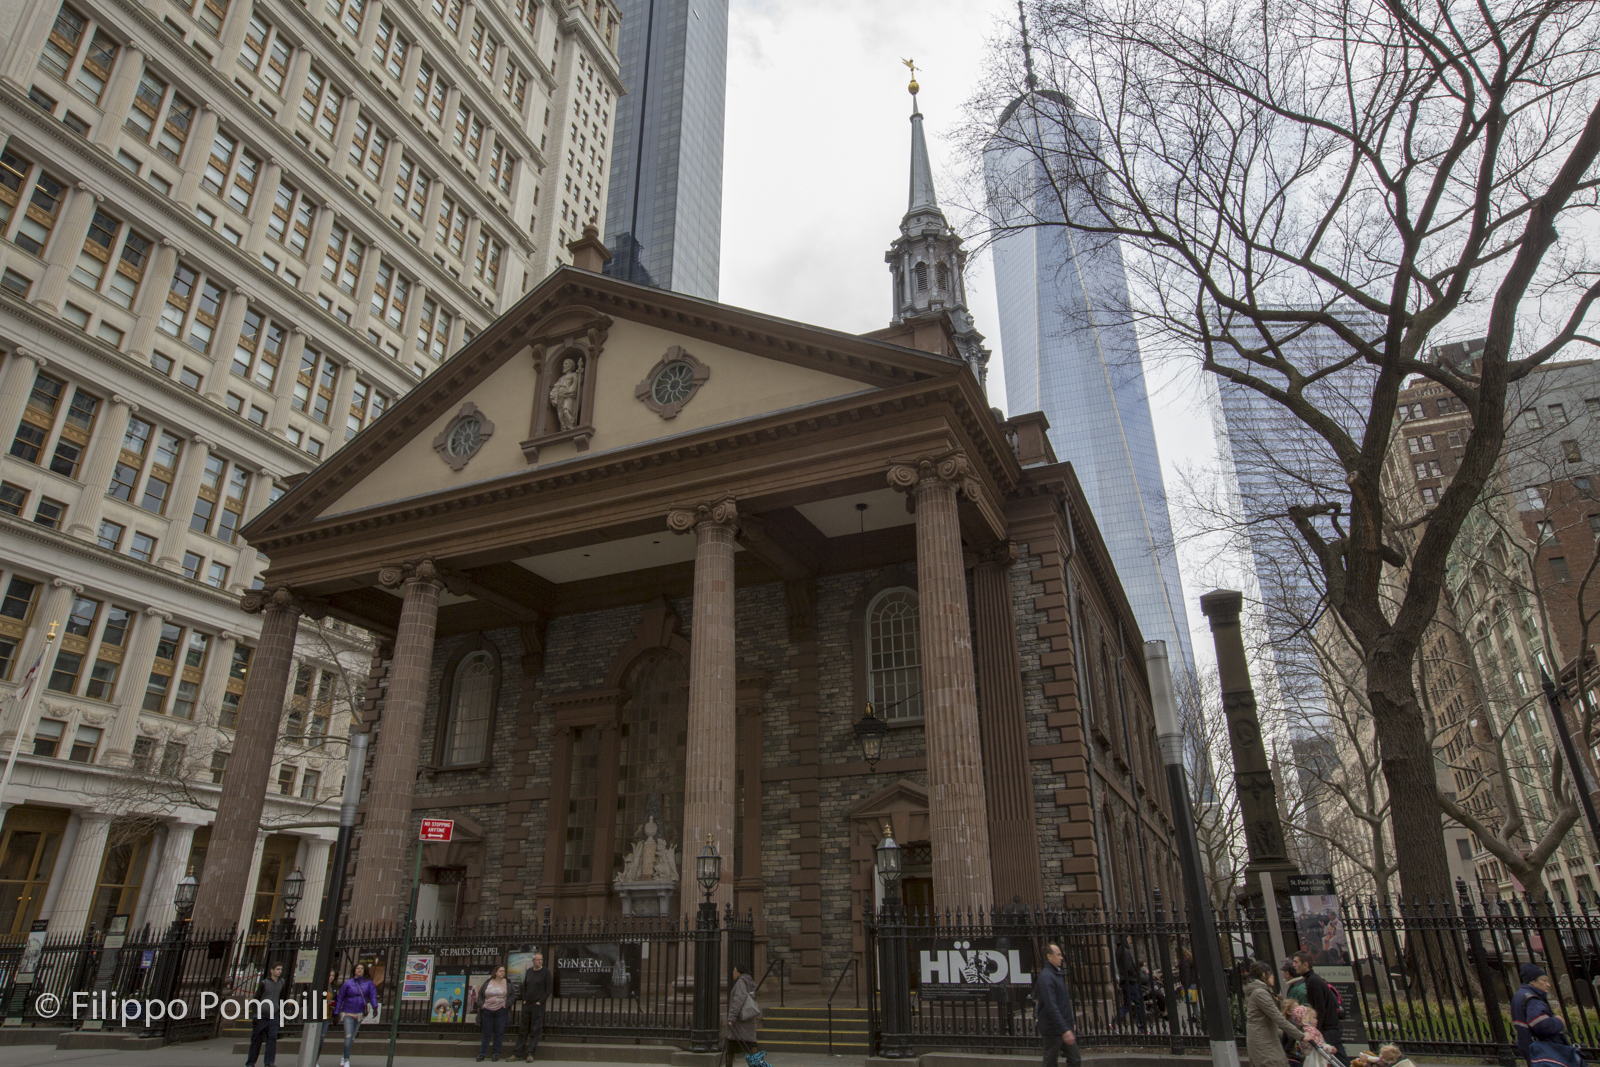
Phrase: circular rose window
(673,383)
(465,437)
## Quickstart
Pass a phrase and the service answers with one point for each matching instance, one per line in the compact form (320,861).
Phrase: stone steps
(806,1030)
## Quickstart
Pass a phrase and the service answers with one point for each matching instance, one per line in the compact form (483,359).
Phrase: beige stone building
(232,234)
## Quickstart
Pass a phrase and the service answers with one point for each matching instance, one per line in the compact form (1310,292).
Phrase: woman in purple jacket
(351,1005)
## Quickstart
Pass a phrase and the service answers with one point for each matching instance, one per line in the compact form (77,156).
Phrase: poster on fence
(1319,921)
(966,968)
(28,966)
(417,982)
(517,964)
(449,998)
(305,966)
(597,970)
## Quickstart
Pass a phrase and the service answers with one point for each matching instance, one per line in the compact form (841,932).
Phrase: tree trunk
(1408,771)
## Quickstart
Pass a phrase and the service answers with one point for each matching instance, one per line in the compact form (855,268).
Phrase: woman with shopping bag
(744,1015)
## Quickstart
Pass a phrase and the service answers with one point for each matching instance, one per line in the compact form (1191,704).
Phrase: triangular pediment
(596,347)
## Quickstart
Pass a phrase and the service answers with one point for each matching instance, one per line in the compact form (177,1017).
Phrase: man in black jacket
(1321,998)
(1053,1008)
(269,1002)
(1128,979)
(536,985)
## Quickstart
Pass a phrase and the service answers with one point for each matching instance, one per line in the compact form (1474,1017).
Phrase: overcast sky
(815,182)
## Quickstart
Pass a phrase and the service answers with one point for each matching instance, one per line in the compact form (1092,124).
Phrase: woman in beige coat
(1263,1021)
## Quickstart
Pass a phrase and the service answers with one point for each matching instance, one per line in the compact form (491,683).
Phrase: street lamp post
(294,888)
(1575,769)
(708,941)
(1202,923)
(892,950)
(172,949)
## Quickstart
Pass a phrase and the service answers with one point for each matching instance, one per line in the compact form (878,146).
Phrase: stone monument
(650,873)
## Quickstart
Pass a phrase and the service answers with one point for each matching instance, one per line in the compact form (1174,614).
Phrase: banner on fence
(449,998)
(595,970)
(1319,921)
(417,983)
(964,968)
(28,966)
(517,964)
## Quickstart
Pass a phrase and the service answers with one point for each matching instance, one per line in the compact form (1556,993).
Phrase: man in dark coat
(1321,998)
(536,985)
(1053,1006)
(269,1002)
(1128,979)
(1530,1011)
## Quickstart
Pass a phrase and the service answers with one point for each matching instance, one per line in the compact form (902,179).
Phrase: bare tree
(1219,826)
(1265,166)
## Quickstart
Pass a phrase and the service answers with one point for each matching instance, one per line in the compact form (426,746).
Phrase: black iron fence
(656,978)
(1435,978)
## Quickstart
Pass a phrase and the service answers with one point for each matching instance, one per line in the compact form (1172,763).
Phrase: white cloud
(816,171)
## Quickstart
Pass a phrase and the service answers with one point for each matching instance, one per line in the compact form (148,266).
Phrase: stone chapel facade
(679,594)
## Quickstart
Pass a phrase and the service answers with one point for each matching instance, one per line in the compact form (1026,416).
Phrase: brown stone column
(713,689)
(1252,772)
(1007,775)
(379,888)
(958,814)
(226,877)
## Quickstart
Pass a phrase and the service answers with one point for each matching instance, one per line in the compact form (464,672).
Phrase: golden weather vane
(911,65)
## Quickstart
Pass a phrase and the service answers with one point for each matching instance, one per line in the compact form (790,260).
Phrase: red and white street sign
(437,830)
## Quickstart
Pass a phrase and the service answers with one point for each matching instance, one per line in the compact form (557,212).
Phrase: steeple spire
(927,260)
(922,196)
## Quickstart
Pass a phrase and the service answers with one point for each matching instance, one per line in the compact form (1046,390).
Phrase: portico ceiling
(612,557)
(838,516)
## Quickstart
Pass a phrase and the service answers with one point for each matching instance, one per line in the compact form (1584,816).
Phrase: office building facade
(663,220)
(1071,352)
(232,234)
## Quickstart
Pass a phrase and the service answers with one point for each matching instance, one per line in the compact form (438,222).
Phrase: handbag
(749,1009)
(1553,1054)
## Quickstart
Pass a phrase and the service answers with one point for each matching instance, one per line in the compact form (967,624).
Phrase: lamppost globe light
(184,895)
(708,868)
(294,888)
(871,732)
(890,860)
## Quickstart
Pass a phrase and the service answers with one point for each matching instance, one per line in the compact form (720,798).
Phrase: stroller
(758,1058)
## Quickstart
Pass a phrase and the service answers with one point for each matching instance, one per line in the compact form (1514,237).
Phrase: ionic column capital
(63,583)
(118,398)
(28,353)
(419,570)
(280,597)
(157,613)
(724,512)
(952,468)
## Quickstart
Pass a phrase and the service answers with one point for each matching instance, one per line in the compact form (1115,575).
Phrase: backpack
(1337,999)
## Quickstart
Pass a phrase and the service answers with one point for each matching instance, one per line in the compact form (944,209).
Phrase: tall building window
(210,13)
(151,100)
(194,303)
(319,104)
(584,767)
(389,49)
(74,649)
(348,12)
(430,92)
(894,667)
(368,147)
(389,295)
(21,181)
(163,472)
(108,658)
(342,263)
(231,172)
(433,329)
(314,385)
(487,263)
(259,349)
(473,687)
(366,404)
(266,53)
(291,220)
(85,67)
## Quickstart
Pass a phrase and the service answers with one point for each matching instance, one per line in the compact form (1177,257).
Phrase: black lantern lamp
(890,859)
(871,732)
(183,896)
(294,888)
(708,868)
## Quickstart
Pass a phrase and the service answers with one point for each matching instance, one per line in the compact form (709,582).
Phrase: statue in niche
(565,393)
(651,859)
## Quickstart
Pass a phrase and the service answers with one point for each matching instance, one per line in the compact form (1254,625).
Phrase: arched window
(472,696)
(921,273)
(941,275)
(894,651)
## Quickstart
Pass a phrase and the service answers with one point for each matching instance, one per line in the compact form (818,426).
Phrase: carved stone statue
(651,859)
(564,394)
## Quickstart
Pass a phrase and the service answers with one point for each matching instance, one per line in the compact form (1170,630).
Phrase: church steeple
(927,261)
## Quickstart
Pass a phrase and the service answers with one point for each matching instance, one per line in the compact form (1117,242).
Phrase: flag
(28,680)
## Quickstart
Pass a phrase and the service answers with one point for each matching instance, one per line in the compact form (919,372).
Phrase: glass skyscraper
(1071,352)
(664,209)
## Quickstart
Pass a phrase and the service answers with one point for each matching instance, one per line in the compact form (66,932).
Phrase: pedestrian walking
(1128,979)
(1054,1020)
(536,986)
(264,1030)
(1541,1033)
(1322,999)
(356,997)
(740,1028)
(1294,986)
(1263,1022)
(494,1001)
